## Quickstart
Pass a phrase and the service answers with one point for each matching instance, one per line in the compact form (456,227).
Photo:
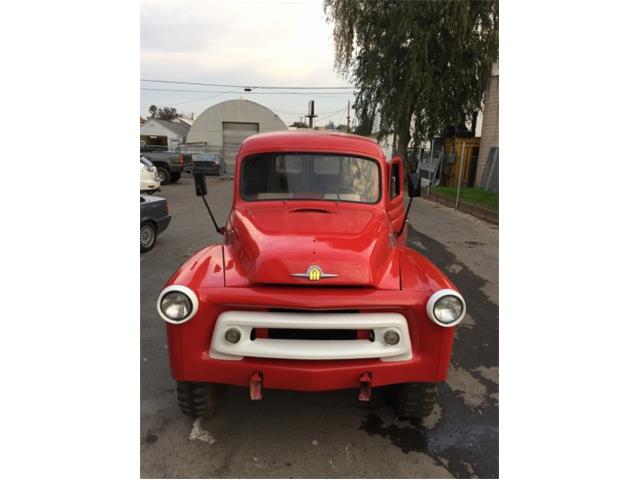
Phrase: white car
(149,181)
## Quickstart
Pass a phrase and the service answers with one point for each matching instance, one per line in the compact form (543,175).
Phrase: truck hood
(277,244)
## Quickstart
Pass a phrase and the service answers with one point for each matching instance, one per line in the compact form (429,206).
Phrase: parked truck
(170,165)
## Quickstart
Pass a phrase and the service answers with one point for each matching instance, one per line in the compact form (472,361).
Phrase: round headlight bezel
(185,291)
(447,292)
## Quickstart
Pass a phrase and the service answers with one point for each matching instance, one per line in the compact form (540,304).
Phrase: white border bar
(310,349)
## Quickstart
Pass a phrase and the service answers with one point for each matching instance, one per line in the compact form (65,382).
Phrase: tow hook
(255,386)
(365,387)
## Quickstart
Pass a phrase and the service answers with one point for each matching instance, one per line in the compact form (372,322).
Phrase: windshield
(310,176)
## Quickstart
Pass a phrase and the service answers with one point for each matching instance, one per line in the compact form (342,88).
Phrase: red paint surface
(267,241)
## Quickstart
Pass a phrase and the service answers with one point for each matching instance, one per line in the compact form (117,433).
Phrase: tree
(167,113)
(418,67)
(299,125)
(164,113)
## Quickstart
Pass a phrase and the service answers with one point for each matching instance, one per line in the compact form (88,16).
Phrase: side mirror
(414,185)
(200,182)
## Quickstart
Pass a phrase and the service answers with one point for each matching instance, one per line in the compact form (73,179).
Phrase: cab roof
(313,141)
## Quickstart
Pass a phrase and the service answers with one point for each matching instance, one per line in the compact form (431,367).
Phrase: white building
(225,125)
(163,132)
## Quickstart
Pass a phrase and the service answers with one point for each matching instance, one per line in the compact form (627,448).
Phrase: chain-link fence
(199,147)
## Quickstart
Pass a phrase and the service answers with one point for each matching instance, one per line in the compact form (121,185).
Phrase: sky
(244,42)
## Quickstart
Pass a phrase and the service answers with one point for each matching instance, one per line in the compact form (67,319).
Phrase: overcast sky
(246,42)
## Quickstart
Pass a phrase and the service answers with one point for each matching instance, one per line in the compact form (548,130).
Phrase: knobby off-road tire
(414,400)
(197,399)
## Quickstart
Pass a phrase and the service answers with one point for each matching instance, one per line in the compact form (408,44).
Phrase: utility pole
(349,116)
(311,115)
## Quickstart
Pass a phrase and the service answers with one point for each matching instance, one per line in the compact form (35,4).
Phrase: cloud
(244,42)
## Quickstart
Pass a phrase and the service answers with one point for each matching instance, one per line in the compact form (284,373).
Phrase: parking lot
(330,434)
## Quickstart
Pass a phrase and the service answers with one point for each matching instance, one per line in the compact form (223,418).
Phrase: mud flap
(365,387)
(255,386)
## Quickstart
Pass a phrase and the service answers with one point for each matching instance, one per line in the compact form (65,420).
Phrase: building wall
(490,122)
(151,127)
(208,126)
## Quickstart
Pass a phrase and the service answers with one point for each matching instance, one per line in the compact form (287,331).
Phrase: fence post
(460,174)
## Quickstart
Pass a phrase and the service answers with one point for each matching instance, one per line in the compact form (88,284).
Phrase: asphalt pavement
(327,434)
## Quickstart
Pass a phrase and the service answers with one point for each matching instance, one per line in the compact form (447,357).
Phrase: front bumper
(149,185)
(192,359)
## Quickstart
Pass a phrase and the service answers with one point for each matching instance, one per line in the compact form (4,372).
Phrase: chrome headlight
(446,308)
(177,304)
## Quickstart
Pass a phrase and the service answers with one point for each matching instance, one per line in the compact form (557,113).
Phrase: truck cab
(313,287)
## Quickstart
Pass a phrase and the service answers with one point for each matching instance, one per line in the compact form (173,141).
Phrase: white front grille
(310,349)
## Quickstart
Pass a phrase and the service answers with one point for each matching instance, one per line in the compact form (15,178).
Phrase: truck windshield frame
(310,176)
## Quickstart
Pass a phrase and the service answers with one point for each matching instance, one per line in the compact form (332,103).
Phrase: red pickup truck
(313,287)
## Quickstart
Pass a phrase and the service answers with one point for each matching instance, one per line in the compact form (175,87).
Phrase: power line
(328,95)
(248,85)
(196,100)
(277,110)
(326,117)
(298,114)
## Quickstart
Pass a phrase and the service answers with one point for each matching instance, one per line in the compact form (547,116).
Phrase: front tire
(148,235)
(175,176)
(197,399)
(414,400)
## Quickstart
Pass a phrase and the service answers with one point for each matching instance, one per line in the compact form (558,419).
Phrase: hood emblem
(314,273)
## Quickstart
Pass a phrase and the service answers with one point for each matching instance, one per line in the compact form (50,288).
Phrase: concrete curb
(474,210)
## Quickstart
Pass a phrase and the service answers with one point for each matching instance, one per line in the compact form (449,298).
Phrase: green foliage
(164,113)
(419,66)
(167,113)
(299,125)
(473,195)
